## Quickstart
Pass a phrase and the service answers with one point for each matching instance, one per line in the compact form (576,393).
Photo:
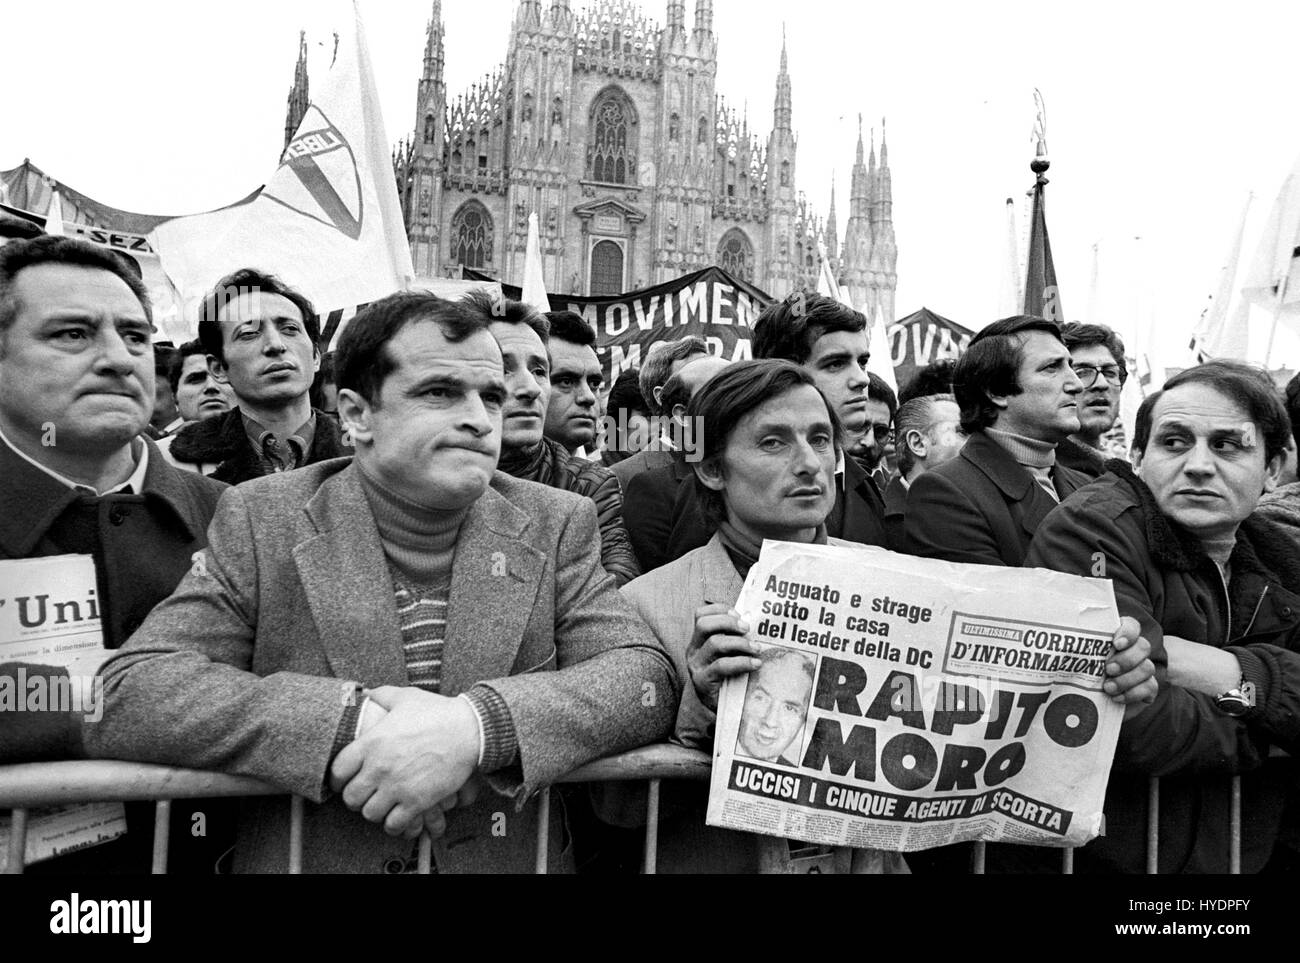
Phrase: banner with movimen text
(906,703)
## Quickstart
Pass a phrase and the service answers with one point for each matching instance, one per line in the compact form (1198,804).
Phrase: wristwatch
(1236,702)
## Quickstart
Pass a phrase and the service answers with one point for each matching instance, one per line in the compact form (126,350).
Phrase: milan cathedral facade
(609,127)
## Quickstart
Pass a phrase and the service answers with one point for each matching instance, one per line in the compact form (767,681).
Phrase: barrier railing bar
(1234,829)
(652,829)
(26,786)
(17,858)
(425,867)
(1153,826)
(296,804)
(543,830)
(162,821)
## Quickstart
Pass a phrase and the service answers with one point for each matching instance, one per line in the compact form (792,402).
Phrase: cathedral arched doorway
(606,269)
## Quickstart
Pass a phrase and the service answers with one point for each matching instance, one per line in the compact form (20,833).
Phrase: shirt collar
(839,463)
(301,438)
(135,482)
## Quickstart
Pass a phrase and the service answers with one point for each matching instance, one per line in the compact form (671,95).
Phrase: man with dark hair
(576,379)
(1216,590)
(521,333)
(934,379)
(1282,506)
(628,425)
(402,627)
(260,336)
(754,489)
(876,448)
(1097,356)
(1017,395)
(165,419)
(650,496)
(663,360)
(324,389)
(198,393)
(928,435)
(77,477)
(829,341)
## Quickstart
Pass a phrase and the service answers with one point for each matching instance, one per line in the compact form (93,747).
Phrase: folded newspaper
(49,616)
(906,703)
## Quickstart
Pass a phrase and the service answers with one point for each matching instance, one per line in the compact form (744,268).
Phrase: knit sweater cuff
(500,745)
(347,730)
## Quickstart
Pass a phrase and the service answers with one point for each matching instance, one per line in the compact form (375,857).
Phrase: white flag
(534,292)
(328,221)
(881,362)
(1273,280)
(54,216)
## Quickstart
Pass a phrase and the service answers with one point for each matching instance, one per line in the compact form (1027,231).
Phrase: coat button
(394,866)
(118,513)
(1286,611)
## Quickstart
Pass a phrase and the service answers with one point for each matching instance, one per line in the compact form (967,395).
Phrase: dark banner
(923,338)
(708,303)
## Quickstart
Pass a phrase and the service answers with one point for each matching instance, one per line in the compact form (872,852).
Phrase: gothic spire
(703,17)
(884,184)
(782,110)
(433,56)
(675,21)
(832,231)
(298,94)
(530,13)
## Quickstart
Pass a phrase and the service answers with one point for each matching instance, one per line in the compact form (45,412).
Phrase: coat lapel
(719,579)
(495,578)
(350,594)
(1013,480)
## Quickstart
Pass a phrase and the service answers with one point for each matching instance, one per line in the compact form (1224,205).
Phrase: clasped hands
(414,760)
(719,649)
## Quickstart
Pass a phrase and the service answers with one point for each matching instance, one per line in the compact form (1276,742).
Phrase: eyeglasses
(884,434)
(1087,373)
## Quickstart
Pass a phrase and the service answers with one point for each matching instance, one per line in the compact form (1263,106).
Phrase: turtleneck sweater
(1036,457)
(419,542)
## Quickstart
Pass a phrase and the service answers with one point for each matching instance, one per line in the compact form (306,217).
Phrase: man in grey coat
(399,628)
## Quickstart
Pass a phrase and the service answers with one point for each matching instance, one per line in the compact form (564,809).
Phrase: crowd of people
(420,585)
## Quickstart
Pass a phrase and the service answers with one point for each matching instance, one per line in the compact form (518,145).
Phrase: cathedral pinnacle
(782,111)
(703,16)
(433,45)
(675,21)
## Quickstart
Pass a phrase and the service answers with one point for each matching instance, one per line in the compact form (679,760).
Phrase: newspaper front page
(49,616)
(908,703)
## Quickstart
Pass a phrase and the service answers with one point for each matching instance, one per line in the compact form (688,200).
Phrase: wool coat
(249,666)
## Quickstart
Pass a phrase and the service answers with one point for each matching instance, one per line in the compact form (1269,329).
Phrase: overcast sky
(1161,117)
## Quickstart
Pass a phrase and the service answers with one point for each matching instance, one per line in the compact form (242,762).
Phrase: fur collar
(221,440)
(1262,548)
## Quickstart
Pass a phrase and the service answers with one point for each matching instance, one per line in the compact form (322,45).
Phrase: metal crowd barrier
(30,785)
